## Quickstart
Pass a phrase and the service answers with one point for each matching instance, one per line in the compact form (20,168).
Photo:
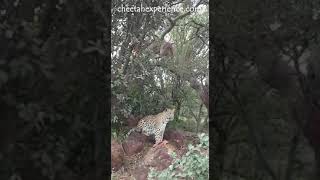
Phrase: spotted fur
(155,124)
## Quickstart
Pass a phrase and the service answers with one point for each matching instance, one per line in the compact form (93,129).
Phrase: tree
(53,90)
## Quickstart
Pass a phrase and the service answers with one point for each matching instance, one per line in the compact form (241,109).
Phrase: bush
(193,165)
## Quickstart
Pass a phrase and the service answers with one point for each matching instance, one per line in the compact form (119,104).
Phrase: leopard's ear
(170,109)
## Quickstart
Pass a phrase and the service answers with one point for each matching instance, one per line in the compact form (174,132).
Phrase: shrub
(193,165)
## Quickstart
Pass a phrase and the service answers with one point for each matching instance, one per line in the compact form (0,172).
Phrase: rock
(117,155)
(134,143)
(132,121)
(171,148)
(158,157)
(141,173)
(174,136)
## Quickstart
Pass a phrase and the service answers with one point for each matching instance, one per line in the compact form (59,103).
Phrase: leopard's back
(147,125)
(155,124)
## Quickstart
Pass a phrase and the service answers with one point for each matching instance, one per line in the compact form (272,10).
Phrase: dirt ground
(131,163)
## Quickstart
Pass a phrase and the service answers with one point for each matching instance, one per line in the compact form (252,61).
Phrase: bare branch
(174,21)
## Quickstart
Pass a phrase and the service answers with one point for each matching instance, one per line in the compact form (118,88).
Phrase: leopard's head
(169,113)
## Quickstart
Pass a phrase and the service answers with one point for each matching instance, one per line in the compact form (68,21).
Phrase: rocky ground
(133,158)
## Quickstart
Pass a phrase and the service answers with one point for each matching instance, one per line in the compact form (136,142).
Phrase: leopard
(154,125)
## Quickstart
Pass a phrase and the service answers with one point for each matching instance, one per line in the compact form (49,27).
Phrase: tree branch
(174,21)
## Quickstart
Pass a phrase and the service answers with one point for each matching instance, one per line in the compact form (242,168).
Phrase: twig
(174,21)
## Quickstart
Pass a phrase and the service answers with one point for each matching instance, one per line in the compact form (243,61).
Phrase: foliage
(53,90)
(193,165)
(145,84)
(258,106)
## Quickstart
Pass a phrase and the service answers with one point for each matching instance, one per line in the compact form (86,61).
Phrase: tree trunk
(291,156)
(203,91)
(177,112)
(199,118)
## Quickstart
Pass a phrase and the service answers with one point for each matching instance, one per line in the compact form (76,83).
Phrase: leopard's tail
(131,130)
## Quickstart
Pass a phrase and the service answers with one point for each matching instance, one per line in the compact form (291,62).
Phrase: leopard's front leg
(159,139)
